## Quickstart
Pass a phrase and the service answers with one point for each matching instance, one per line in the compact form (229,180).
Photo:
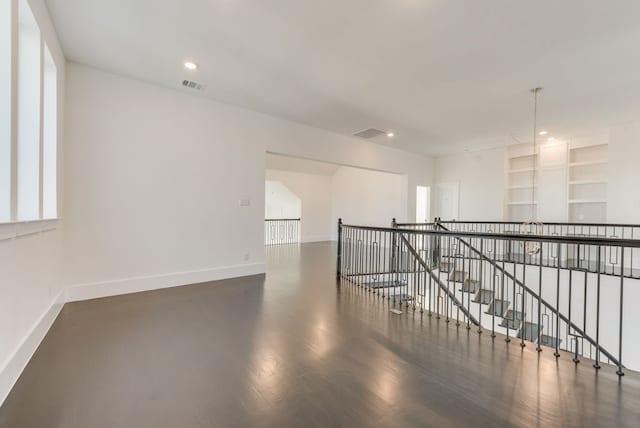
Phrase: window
(28,117)
(5,110)
(29,71)
(49,137)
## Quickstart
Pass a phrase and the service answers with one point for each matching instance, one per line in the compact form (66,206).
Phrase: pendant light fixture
(533,227)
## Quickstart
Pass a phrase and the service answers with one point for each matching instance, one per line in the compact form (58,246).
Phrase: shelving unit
(520,164)
(587,184)
(560,181)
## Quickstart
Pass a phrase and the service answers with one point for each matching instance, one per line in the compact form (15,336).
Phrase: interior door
(448,201)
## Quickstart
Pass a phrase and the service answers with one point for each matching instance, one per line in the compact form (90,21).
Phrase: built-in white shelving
(558,180)
(520,190)
(587,183)
(525,186)
(522,203)
(519,170)
(587,201)
(598,162)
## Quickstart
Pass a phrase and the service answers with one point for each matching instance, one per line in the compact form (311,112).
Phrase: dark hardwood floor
(295,350)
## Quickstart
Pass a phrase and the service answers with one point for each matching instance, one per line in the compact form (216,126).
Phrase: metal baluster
(386,264)
(339,261)
(439,271)
(597,363)
(430,297)
(493,291)
(447,300)
(620,372)
(368,259)
(480,275)
(513,295)
(458,260)
(470,282)
(539,348)
(556,353)
(524,282)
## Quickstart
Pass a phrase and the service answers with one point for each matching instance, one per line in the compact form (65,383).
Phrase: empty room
(239,213)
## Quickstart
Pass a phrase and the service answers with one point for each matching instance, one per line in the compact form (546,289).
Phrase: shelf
(526,186)
(589,182)
(587,201)
(589,146)
(599,162)
(522,203)
(513,171)
(522,156)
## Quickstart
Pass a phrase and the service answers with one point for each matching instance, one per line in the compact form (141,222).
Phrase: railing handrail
(522,223)
(578,240)
(282,219)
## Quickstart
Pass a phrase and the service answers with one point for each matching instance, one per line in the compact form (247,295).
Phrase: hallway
(295,350)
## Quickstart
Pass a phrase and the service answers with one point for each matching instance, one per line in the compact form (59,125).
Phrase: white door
(423,204)
(447,201)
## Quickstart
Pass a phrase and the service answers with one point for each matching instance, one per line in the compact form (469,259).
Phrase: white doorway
(448,200)
(423,204)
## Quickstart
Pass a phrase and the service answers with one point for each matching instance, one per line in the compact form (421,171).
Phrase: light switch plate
(245,202)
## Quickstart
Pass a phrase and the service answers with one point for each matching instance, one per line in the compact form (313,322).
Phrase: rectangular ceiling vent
(369,133)
(193,85)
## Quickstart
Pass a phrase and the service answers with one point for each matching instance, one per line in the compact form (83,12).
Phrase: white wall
(30,281)
(623,197)
(609,307)
(154,177)
(481,178)
(371,198)
(314,192)
(280,202)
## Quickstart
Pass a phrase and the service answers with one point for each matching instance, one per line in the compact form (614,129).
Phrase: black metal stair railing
(451,295)
(533,331)
(397,268)
(464,277)
(279,231)
(577,257)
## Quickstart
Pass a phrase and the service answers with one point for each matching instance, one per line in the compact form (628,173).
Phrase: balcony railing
(280,231)
(579,257)
(520,285)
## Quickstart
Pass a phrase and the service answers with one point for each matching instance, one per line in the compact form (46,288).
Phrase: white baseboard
(15,364)
(154,282)
(19,359)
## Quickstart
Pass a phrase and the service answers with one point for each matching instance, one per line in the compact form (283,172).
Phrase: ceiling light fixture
(544,132)
(190,65)
(390,134)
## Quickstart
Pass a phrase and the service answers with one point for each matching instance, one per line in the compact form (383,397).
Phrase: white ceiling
(444,75)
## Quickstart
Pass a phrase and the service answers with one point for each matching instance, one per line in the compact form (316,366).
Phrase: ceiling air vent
(369,133)
(193,85)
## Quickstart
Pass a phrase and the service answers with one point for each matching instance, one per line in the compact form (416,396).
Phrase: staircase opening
(573,297)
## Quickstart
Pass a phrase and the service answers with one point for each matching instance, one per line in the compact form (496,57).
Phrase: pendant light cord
(534,155)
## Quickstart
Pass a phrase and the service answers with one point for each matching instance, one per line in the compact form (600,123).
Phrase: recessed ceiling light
(544,132)
(190,65)
(390,134)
